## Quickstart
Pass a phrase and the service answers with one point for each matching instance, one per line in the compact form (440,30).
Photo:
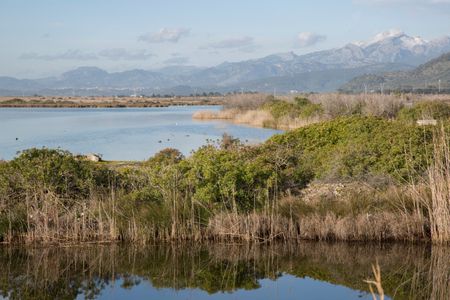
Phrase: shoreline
(105,102)
(290,188)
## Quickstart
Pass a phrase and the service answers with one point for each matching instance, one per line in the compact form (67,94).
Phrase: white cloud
(308,39)
(123,54)
(68,55)
(165,35)
(407,2)
(109,54)
(178,60)
(230,43)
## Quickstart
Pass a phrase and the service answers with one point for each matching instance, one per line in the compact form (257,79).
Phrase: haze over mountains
(318,71)
(433,76)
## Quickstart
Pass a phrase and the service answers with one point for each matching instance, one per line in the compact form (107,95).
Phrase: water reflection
(283,271)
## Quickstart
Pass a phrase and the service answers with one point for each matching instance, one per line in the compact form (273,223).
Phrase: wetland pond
(305,270)
(116,133)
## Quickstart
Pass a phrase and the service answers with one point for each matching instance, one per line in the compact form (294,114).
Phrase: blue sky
(48,37)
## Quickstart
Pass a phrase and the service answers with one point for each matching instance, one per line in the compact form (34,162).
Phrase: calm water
(213,271)
(117,133)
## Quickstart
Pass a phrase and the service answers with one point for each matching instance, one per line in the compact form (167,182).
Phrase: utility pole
(274,92)
(439,86)
(365,88)
(382,88)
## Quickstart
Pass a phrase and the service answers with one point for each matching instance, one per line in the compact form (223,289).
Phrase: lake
(116,133)
(307,270)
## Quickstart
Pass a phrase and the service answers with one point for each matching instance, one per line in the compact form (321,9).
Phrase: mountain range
(318,71)
(433,76)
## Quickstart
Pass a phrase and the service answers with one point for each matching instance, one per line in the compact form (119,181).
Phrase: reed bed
(251,110)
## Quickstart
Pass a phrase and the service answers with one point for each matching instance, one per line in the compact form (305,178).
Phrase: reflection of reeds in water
(376,282)
(439,274)
(409,272)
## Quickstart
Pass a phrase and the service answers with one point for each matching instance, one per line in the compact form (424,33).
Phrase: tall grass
(249,109)
(439,176)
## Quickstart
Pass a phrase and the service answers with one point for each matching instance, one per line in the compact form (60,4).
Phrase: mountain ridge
(432,76)
(388,51)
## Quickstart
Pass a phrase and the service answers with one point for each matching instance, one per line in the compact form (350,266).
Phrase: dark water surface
(219,271)
(117,133)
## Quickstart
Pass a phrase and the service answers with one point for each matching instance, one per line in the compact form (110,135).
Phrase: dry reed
(434,193)
(376,282)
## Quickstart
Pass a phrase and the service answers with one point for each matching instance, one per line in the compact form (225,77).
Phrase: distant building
(94,157)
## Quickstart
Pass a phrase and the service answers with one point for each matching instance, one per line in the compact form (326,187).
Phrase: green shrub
(437,110)
(301,107)
(279,109)
(227,178)
(301,102)
(54,171)
(355,146)
(311,110)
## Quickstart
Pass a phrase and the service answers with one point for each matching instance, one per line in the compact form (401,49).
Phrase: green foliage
(301,101)
(166,156)
(55,171)
(279,109)
(437,110)
(301,107)
(228,178)
(355,146)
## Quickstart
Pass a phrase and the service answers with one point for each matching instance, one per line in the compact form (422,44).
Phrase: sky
(40,38)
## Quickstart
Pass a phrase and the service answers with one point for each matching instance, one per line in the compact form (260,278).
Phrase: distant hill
(426,78)
(318,71)
(316,81)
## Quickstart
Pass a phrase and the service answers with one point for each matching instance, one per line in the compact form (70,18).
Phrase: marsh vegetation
(191,270)
(288,112)
(352,178)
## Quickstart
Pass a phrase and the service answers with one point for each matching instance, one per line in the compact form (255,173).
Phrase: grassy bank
(295,112)
(353,178)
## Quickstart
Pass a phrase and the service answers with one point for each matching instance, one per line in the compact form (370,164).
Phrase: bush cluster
(223,177)
(300,108)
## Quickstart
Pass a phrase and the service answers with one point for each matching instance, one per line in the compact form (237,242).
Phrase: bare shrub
(244,101)
(363,227)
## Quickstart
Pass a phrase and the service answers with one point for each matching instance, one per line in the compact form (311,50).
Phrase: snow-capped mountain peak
(392,33)
(405,40)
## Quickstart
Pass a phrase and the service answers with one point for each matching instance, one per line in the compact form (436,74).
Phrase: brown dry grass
(81,102)
(434,193)
(257,118)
